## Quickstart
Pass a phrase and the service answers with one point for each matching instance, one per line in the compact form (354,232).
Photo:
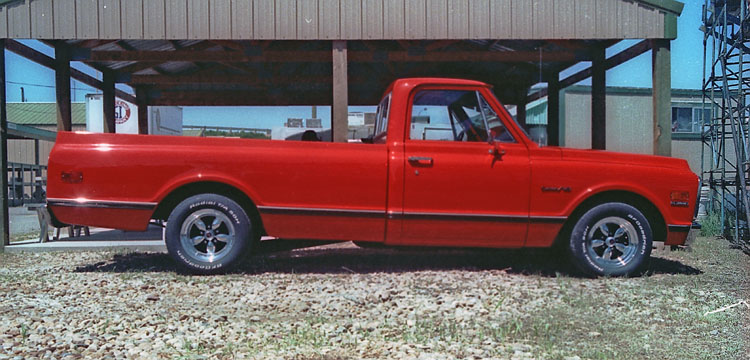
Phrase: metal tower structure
(726,86)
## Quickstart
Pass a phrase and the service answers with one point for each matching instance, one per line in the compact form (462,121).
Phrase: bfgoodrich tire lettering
(611,239)
(208,233)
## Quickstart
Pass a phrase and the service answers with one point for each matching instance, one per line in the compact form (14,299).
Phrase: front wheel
(612,239)
(208,233)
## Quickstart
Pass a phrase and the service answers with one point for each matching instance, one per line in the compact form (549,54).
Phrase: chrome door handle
(420,160)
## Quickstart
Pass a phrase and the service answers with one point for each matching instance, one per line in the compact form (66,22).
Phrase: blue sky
(687,61)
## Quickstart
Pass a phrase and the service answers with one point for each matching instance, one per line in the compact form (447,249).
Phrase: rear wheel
(208,233)
(612,239)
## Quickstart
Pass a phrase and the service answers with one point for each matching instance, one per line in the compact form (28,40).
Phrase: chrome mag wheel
(612,242)
(207,235)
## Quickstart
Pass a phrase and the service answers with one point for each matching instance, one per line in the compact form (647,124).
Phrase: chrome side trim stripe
(86,203)
(320,211)
(457,216)
(476,217)
(408,215)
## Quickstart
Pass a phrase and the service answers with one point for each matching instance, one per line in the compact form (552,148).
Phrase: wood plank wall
(330,19)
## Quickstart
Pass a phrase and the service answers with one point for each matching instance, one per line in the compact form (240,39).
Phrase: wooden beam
(62,87)
(49,62)
(4,222)
(108,103)
(141,97)
(662,96)
(239,98)
(223,78)
(553,109)
(148,56)
(611,62)
(598,98)
(340,108)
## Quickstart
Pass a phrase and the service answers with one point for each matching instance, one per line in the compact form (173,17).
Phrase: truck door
(459,188)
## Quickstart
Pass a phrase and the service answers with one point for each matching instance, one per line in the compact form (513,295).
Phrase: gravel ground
(341,302)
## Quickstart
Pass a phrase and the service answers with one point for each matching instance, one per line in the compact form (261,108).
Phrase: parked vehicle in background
(447,166)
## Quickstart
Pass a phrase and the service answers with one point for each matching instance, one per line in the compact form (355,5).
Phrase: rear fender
(187,179)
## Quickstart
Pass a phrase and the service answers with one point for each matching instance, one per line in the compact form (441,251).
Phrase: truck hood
(623,158)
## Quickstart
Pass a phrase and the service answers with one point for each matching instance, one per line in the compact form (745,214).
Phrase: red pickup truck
(447,166)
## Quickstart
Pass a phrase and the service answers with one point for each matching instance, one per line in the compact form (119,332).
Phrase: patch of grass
(711,224)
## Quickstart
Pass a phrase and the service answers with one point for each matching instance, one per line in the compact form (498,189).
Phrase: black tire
(208,233)
(612,239)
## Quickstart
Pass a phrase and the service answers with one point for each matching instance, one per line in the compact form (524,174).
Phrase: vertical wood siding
(585,19)
(286,19)
(153,25)
(330,19)
(416,23)
(87,19)
(242,19)
(329,13)
(177,24)
(522,19)
(132,18)
(263,19)
(458,18)
(437,19)
(198,15)
(544,17)
(351,19)
(307,19)
(500,23)
(3,22)
(394,24)
(41,19)
(220,16)
(19,20)
(372,19)
(479,13)
(109,19)
(564,26)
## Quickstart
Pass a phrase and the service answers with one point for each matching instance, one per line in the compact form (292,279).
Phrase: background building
(629,121)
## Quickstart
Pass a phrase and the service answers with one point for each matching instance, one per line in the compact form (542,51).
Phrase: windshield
(515,120)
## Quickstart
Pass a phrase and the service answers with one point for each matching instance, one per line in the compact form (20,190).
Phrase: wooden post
(62,86)
(521,113)
(108,102)
(4,222)
(340,109)
(141,98)
(521,107)
(598,98)
(553,109)
(661,71)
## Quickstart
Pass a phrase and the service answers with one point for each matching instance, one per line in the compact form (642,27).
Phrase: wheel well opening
(649,210)
(168,204)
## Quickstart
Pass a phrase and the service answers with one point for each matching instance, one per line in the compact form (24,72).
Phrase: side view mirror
(497,151)
(367,140)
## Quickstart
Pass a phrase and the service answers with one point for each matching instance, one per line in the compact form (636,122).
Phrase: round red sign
(122,112)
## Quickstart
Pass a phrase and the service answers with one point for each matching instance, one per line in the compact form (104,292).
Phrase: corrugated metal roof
(28,113)
(339,19)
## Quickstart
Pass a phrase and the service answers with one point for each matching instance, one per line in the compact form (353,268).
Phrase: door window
(454,115)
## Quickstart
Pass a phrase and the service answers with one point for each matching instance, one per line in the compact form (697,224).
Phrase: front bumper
(682,234)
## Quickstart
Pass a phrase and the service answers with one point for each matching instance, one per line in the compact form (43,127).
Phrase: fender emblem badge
(556,189)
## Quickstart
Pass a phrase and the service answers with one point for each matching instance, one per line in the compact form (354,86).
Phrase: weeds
(711,224)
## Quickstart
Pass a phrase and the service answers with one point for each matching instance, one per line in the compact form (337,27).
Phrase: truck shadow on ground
(349,259)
